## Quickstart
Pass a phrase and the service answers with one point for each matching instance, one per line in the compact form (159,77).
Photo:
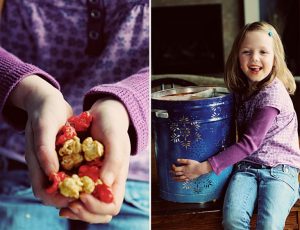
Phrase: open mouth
(255,69)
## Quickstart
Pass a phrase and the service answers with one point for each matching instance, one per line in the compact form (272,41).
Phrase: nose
(255,57)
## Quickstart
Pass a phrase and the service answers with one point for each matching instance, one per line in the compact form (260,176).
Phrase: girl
(267,155)
(58,58)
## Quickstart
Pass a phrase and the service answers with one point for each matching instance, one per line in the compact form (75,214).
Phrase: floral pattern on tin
(197,185)
(185,131)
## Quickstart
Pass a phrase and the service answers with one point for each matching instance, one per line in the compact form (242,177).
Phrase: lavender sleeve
(249,142)
(133,92)
(12,71)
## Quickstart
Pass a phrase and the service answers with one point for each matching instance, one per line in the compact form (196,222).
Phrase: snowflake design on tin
(187,185)
(185,131)
(197,185)
(214,112)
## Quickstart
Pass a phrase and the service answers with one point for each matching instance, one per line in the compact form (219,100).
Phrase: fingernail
(50,169)
(75,210)
(67,217)
(83,198)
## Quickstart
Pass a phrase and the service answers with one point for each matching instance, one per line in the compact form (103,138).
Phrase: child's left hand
(189,169)
(109,126)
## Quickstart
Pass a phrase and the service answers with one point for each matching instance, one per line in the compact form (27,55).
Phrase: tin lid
(190,93)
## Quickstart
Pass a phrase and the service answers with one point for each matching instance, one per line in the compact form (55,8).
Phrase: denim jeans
(20,210)
(272,190)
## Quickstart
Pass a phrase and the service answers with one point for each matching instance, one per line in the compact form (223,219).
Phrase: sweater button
(95,14)
(94,35)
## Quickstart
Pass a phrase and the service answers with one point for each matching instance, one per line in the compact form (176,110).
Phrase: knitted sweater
(87,49)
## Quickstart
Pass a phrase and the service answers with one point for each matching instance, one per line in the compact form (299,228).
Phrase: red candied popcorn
(67,132)
(81,122)
(103,193)
(55,178)
(98,163)
(89,170)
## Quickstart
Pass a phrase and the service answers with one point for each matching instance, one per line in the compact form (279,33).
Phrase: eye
(264,52)
(247,52)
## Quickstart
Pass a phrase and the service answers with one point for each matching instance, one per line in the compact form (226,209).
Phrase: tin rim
(190,93)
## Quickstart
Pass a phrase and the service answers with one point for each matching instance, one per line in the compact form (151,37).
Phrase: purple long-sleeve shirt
(249,142)
(267,125)
(87,49)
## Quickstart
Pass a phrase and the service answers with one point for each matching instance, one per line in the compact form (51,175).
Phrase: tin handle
(161,113)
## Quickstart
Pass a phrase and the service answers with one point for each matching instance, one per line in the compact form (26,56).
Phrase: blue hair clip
(270,33)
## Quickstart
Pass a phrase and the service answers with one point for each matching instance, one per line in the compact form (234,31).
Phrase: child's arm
(248,143)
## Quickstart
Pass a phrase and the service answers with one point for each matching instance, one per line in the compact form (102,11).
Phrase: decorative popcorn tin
(193,123)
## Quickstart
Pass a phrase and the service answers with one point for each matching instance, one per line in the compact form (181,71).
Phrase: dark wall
(187,39)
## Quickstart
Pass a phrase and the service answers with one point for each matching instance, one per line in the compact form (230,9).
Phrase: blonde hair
(233,76)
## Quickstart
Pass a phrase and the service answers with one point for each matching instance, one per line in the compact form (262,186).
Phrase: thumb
(44,145)
(116,161)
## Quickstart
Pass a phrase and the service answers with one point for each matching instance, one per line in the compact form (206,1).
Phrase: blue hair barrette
(270,33)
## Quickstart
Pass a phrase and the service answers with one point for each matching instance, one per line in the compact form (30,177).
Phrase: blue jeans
(20,210)
(272,190)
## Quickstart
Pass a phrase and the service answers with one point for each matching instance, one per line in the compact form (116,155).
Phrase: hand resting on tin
(189,169)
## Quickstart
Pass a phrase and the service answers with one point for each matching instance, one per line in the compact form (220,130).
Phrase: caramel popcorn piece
(71,186)
(68,162)
(88,184)
(70,153)
(71,146)
(92,149)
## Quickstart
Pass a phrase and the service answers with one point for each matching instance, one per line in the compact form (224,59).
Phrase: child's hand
(47,111)
(109,126)
(189,169)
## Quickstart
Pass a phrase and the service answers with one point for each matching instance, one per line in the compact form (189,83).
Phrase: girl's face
(256,55)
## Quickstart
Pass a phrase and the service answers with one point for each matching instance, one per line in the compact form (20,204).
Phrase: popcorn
(88,184)
(67,132)
(82,161)
(71,146)
(71,186)
(70,153)
(92,149)
(68,162)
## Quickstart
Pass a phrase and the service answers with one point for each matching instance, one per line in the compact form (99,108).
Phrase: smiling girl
(266,155)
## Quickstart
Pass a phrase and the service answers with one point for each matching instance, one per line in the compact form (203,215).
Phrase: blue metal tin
(186,126)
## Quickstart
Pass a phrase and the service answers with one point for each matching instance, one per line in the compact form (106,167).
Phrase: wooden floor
(170,215)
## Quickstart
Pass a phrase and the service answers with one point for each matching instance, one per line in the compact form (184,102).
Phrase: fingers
(183,161)
(92,210)
(46,122)
(38,178)
(44,136)
(32,162)
(177,168)
(117,152)
(179,172)
(77,211)
(115,166)
(182,178)
(95,206)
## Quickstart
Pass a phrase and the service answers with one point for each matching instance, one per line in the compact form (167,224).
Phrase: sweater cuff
(214,165)
(10,82)
(138,140)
